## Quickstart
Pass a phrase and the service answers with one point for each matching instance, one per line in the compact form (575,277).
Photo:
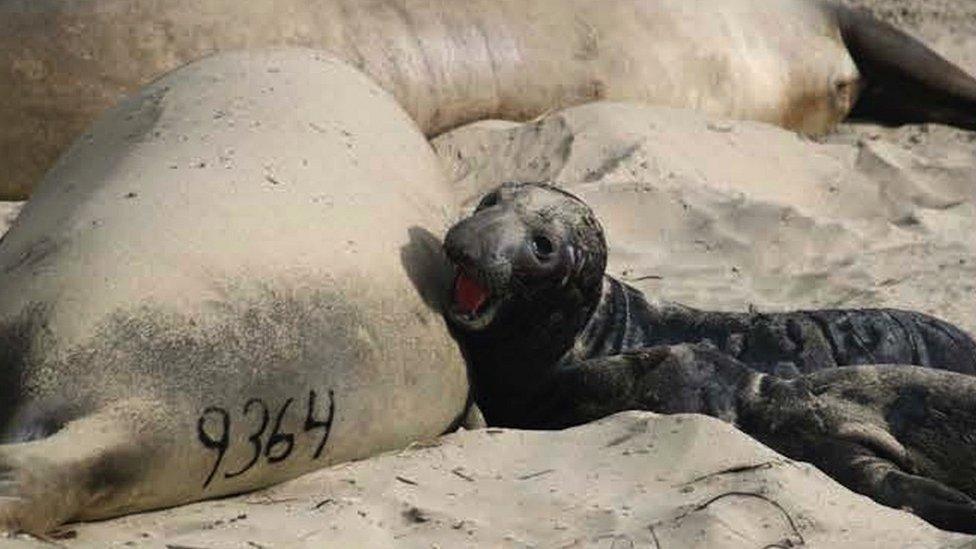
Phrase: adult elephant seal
(198,299)
(551,342)
(800,64)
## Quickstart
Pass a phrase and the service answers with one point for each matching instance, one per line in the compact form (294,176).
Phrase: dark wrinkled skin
(882,400)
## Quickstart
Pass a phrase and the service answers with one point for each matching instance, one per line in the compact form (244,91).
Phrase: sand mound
(732,215)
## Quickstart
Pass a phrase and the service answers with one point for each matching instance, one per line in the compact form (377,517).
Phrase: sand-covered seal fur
(883,400)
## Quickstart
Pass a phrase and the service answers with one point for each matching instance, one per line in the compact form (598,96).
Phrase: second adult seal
(800,64)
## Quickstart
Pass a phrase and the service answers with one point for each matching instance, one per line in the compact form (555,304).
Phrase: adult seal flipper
(902,80)
(97,466)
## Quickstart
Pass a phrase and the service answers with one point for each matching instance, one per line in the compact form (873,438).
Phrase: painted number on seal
(278,446)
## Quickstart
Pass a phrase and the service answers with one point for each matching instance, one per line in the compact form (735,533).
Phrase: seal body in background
(800,64)
(228,281)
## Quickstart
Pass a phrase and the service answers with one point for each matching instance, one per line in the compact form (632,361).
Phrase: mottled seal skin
(883,400)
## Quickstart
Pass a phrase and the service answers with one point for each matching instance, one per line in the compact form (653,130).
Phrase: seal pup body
(800,64)
(197,301)
(552,342)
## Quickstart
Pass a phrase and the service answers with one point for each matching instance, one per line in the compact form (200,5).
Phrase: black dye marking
(277,438)
(46,382)
(312,423)
(208,441)
(255,437)
(279,445)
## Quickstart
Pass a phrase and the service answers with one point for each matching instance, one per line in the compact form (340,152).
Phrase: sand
(738,215)
(711,213)
(633,480)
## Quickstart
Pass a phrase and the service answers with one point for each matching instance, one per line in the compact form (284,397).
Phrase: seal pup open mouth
(469,294)
(515,251)
(474,304)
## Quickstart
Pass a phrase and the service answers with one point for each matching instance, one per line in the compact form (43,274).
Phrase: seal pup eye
(488,201)
(542,247)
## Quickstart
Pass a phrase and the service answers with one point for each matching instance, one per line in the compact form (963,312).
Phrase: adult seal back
(882,400)
(801,64)
(197,301)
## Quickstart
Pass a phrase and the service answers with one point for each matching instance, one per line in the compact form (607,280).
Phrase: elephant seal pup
(197,300)
(800,64)
(552,342)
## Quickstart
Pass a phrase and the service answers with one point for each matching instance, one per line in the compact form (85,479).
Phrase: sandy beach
(712,213)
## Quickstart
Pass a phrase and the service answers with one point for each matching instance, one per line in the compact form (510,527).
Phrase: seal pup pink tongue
(469,294)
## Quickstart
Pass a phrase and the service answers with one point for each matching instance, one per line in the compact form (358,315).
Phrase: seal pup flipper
(900,435)
(903,80)
(666,379)
(84,470)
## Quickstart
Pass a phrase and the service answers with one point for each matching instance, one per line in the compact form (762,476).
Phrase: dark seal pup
(552,342)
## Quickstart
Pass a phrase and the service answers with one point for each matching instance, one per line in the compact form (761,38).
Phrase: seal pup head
(530,252)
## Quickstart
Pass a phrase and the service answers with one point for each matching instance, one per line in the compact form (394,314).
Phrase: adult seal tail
(902,80)
(800,64)
(882,400)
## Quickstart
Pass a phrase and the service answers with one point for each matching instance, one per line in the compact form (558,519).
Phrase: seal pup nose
(460,245)
(486,238)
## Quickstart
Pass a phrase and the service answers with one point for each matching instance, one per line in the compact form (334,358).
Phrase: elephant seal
(197,300)
(801,64)
(551,342)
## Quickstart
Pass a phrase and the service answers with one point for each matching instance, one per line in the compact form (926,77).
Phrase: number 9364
(214,429)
